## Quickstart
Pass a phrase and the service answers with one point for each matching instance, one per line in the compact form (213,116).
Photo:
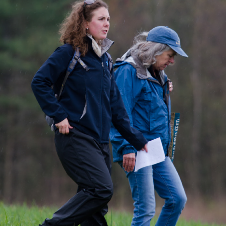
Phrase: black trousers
(88,163)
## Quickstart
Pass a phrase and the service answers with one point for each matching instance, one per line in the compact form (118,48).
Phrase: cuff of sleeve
(129,149)
(142,143)
(60,118)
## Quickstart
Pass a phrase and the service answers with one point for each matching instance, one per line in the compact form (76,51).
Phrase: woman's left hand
(64,126)
(129,161)
(170,86)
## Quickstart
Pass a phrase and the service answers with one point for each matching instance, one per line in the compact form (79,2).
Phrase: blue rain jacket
(90,99)
(148,105)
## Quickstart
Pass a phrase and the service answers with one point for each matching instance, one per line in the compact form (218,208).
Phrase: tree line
(30,170)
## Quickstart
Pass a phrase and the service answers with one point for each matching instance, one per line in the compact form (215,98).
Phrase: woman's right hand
(170,86)
(64,126)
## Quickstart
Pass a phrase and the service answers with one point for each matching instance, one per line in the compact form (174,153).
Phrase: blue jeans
(163,178)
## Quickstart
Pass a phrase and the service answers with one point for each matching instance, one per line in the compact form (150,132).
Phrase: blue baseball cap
(166,35)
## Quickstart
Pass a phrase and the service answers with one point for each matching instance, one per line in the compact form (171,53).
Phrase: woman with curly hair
(89,102)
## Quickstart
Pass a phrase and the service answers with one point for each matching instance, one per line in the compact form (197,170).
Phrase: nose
(171,60)
(107,23)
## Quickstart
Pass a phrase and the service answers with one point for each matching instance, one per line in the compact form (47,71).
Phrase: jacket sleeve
(124,96)
(55,66)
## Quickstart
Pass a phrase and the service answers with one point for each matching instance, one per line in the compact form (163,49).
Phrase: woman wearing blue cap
(145,88)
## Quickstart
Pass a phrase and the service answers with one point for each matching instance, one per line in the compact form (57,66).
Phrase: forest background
(30,170)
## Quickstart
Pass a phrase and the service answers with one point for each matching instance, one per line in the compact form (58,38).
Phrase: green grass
(124,219)
(17,215)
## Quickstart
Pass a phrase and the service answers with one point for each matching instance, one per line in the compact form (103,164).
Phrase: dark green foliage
(29,34)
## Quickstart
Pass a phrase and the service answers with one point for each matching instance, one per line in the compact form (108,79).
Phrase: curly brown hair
(73,29)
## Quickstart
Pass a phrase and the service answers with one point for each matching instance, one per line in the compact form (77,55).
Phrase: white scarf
(96,47)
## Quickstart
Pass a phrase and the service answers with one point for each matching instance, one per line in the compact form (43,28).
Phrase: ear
(86,24)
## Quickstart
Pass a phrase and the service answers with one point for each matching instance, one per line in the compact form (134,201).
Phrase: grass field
(16,215)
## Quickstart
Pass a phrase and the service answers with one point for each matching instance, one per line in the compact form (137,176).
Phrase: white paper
(154,155)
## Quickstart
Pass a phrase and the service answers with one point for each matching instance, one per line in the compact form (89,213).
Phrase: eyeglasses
(88,2)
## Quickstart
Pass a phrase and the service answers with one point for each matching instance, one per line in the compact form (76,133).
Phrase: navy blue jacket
(90,99)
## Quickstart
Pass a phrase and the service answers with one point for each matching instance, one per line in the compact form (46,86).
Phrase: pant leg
(169,187)
(95,220)
(142,188)
(98,218)
(83,160)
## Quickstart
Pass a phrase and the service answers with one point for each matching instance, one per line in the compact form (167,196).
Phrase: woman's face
(98,27)
(163,60)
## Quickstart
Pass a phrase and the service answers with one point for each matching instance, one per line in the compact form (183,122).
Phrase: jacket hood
(142,71)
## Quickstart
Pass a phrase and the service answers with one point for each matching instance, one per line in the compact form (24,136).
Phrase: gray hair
(146,50)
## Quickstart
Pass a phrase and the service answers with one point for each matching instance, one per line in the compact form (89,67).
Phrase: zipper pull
(102,64)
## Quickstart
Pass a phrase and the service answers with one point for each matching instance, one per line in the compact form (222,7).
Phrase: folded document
(154,155)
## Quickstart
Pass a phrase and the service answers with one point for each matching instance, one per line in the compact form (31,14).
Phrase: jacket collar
(100,49)
(142,71)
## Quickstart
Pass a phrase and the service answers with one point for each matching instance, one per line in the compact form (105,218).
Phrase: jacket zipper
(101,118)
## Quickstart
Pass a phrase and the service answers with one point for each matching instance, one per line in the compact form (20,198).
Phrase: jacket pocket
(159,118)
(85,109)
